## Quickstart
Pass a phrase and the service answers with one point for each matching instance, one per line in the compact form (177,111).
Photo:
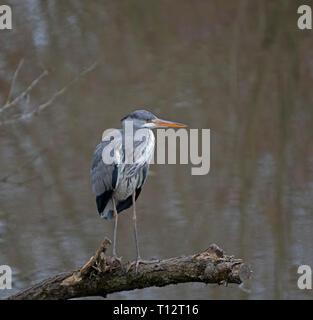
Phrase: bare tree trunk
(103,275)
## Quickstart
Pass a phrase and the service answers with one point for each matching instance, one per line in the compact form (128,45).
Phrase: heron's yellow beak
(168,124)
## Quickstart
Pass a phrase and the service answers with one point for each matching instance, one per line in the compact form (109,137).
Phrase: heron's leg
(115,227)
(138,259)
(135,226)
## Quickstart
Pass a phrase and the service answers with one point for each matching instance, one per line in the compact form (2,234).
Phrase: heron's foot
(117,259)
(138,261)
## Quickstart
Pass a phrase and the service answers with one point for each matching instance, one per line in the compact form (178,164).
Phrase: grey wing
(104,178)
(145,170)
(101,174)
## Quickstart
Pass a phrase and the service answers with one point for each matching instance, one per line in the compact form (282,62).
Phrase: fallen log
(103,275)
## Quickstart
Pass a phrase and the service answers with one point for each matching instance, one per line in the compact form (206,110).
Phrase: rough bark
(103,275)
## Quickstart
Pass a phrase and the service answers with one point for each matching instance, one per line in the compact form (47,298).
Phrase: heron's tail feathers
(109,215)
(104,205)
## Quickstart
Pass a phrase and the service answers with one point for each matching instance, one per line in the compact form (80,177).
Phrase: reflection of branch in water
(43,106)
(13,80)
(10,103)
(23,94)
(6,178)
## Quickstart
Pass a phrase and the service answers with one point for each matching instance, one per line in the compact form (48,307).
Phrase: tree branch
(103,275)
(14,79)
(43,106)
(23,94)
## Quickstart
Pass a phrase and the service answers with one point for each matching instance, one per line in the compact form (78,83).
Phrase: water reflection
(241,69)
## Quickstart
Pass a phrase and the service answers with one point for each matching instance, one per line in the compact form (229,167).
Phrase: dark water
(240,68)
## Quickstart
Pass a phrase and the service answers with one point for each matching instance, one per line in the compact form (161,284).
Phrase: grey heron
(117,183)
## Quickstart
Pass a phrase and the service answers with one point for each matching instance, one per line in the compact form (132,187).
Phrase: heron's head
(145,119)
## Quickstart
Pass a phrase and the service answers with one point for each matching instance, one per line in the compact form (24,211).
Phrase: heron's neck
(130,126)
(134,131)
(137,136)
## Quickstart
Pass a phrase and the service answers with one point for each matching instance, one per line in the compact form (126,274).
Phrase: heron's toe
(115,260)
(118,259)
(138,261)
(129,266)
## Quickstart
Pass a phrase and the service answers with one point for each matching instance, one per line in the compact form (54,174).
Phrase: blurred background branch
(26,115)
